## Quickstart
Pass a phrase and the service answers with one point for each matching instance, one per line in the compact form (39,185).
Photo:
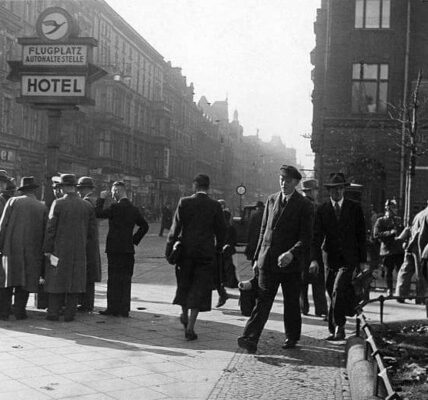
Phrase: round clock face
(54,24)
(241,190)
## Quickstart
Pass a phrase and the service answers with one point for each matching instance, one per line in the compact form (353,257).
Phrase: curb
(362,380)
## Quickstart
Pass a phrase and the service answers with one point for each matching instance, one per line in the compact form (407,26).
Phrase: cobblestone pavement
(146,356)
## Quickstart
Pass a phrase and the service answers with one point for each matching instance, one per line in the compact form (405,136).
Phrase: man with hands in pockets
(285,236)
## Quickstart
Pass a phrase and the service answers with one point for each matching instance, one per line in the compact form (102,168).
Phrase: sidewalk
(146,356)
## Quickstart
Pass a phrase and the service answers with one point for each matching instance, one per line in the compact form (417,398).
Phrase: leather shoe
(332,337)
(190,335)
(222,300)
(247,344)
(289,344)
(340,333)
(108,312)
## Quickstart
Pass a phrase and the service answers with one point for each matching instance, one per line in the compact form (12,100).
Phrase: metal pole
(54,128)
(404,113)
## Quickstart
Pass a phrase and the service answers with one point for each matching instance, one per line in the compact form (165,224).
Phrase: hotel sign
(56,85)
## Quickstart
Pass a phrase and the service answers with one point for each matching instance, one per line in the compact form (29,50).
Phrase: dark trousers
(268,287)
(120,270)
(68,300)
(339,285)
(21,299)
(87,299)
(318,293)
(390,262)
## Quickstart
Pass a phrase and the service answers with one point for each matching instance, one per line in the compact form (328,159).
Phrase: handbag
(176,253)
(248,296)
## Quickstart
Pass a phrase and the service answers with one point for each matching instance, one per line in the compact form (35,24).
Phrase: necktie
(337,210)
(283,202)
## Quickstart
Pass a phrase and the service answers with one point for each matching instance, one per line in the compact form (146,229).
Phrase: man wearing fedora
(22,228)
(310,191)
(71,226)
(56,187)
(123,217)
(340,231)
(85,188)
(285,237)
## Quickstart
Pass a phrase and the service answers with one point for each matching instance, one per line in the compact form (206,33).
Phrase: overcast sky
(254,52)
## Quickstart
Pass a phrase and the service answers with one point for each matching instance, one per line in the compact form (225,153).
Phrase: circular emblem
(148,178)
(241,190)
(54,24)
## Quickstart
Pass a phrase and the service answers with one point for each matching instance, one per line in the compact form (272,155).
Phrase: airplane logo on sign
(53,23)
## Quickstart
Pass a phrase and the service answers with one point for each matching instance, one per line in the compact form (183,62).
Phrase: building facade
(366,62)
(145,126)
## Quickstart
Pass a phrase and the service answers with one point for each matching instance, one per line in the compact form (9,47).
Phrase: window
(372,14)
(104,149)
(369,88)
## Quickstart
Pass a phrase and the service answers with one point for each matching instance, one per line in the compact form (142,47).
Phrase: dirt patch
(404,348)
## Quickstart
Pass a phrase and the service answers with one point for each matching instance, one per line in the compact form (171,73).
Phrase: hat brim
(28,187)
(332,185)
(85,186)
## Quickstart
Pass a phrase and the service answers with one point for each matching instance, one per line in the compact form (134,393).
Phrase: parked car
(241,223)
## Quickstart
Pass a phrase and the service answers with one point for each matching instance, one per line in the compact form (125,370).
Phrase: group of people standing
(58,249)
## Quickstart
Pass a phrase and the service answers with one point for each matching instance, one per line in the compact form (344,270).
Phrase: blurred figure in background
(166,218)
(317,280)
(254,231)
(387,230)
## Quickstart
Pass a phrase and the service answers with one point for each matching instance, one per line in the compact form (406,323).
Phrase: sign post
(241,190)
(55,75)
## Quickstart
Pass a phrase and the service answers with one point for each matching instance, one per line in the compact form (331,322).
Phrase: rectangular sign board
(54,54)
(56,85)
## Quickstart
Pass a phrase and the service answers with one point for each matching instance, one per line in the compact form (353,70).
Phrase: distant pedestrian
(199,226)
(226,274)
(387,230)
(317,279)
(71,225)
(415,258)
(56,187)
(22,228)
(254,226)
(285,237)
(85,188)
(123,217)
(166,218)
(340,231)
(4,181)
(10,190)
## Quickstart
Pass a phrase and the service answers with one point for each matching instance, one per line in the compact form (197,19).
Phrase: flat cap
(291,171)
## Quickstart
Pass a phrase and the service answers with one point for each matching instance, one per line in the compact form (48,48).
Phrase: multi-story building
(144,128)
(367,57)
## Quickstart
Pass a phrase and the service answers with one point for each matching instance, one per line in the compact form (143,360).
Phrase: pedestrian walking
(71,225)
(387,230)
(166,218)
(285,236)
(199,226)
(123,217)
(56,187)
(317,280)
(254,230)
(340,231)
(415,258)
(85,188)
(22,228)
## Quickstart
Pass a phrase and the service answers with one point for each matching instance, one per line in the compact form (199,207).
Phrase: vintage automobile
(241,223)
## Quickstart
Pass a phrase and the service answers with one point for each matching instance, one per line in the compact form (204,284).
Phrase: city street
(147,357)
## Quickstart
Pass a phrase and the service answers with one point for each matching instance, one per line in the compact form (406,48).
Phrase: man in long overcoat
(340,231)
(285,236)
(71,225)
(199,226)
(22,228)
(85,187)
(123,217)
